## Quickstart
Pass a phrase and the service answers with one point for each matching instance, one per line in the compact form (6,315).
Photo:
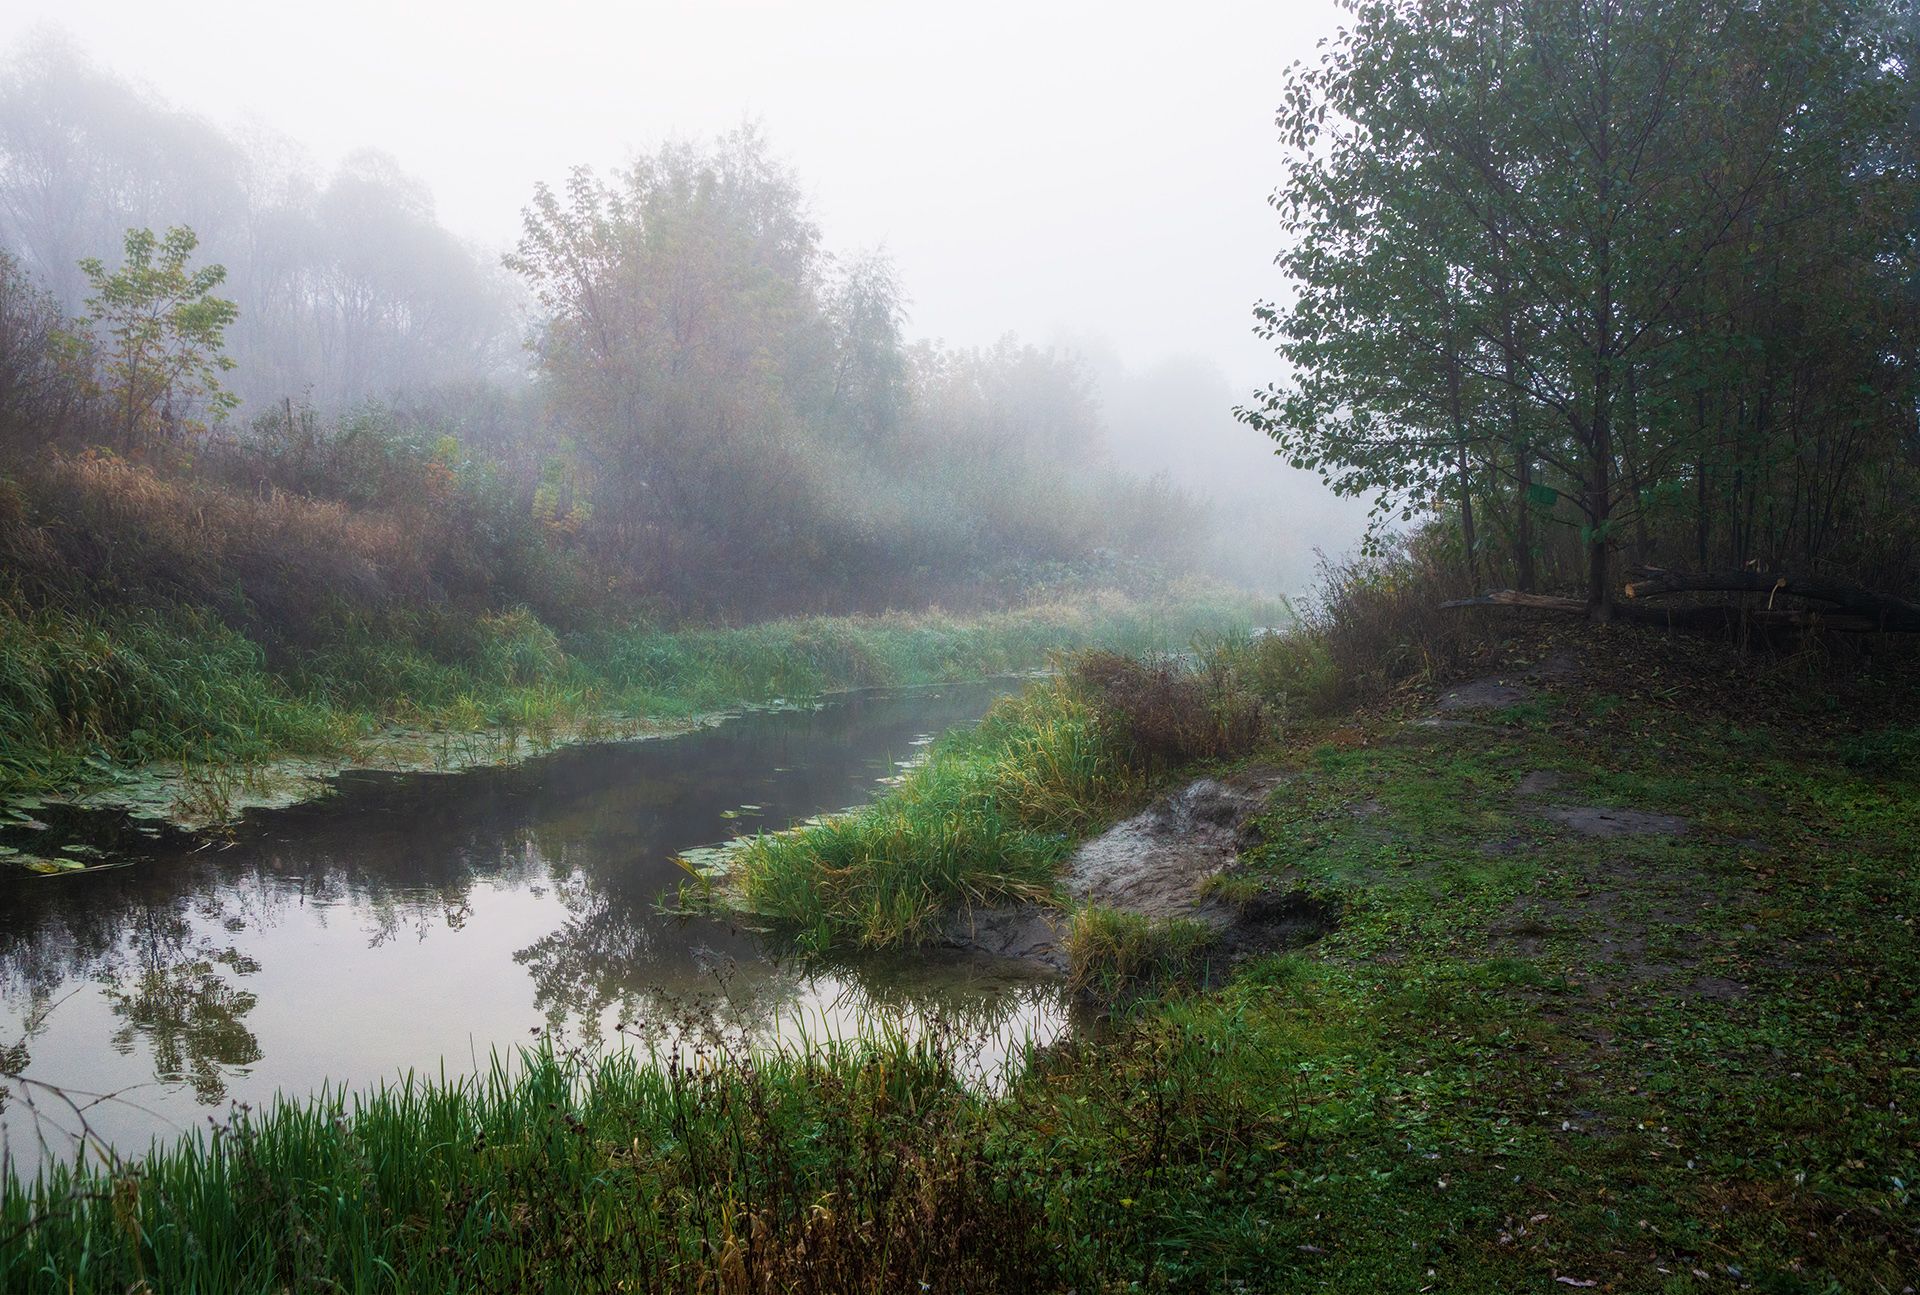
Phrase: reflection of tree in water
(191,1019)
(617,953)
(981,1012)
(618,957)
(615,958)
(400,858)
(13,1063)
(173,991)
(973,994)
(396,862)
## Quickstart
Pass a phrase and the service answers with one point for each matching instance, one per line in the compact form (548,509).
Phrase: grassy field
(1682,1058)
(1530,1058)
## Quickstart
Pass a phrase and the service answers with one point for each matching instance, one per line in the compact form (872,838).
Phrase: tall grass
(993,812)
(1113,956)
(81,691)
(77,691)
(986,819)
(857,1166)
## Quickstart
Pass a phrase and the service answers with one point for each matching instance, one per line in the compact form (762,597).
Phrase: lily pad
(710,861)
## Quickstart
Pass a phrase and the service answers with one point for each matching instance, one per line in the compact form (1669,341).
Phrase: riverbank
(182,719)
(1621,992)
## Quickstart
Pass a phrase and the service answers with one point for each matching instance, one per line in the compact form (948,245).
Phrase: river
(422,922)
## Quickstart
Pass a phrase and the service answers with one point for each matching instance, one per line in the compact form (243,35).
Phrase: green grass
(986,819)
(77,694)
(1656,1064)
(854,1166)
(83,694)
(992,813)
(1113,956)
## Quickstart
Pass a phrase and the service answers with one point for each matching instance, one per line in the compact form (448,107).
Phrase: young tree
(867,313)
(161,356)
(683,339)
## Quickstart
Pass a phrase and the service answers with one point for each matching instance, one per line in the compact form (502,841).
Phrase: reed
(855,1165)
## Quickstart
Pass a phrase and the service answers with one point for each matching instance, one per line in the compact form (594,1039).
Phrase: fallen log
(1713,617)
(1724,617)
(1854,603)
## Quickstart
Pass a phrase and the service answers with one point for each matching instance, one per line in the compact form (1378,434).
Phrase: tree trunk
(1523,526)
(1600,440)
(1599,492)
(1703,525)
(1467,535)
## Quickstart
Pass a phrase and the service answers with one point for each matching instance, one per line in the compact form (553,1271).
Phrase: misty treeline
(348,286)
(669,397)
(1606,278)
(751,403)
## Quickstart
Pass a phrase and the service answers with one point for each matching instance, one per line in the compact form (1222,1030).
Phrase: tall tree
(1526,235)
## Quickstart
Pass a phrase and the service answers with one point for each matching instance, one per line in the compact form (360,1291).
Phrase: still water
(415,923)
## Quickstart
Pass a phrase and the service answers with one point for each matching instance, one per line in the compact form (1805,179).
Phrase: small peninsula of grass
(987,818)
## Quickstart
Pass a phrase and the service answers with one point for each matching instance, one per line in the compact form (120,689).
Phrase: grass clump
(986,819)
(993,812)
(1114,956)
(77,691)
(1890,752)
(1173,713)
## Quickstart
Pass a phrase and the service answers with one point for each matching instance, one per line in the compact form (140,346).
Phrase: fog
(1087,179)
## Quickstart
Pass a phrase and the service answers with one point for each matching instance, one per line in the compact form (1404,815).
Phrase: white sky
(1053,169)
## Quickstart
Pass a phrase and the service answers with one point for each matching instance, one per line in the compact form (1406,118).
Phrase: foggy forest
(722,647)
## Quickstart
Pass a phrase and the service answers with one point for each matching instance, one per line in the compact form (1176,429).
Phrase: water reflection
(191,1019)
(421,922)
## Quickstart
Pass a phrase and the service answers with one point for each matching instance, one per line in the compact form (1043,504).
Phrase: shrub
(1174,713)
(1378,623)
